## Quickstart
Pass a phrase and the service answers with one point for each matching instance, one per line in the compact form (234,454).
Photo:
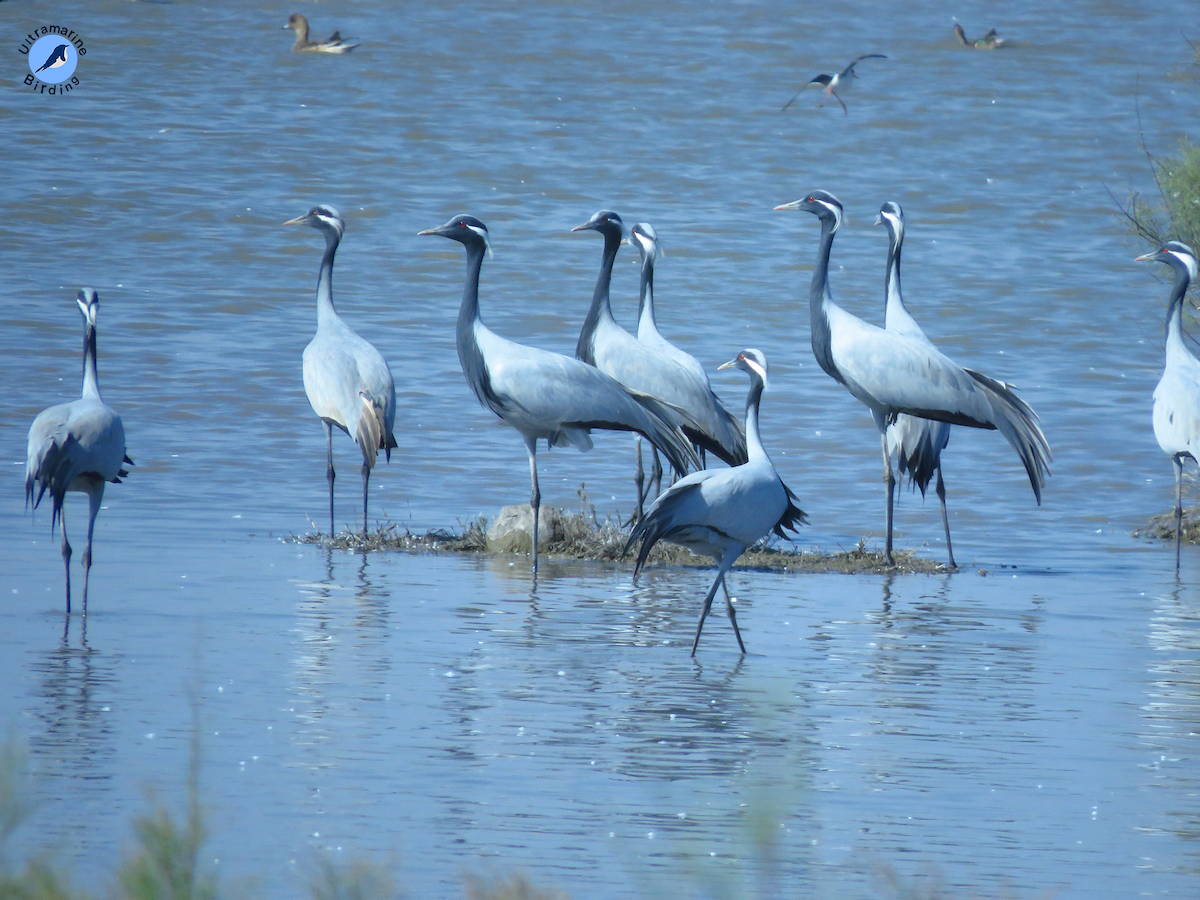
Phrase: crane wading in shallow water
(1177,397)
(721,512)
(831,83)
(918,443)
(643,370)
(896,373)
(346,379)
(543,394)
(77,446)
(644,237)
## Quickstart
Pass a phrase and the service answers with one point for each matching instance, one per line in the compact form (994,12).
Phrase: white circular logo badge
(52,59)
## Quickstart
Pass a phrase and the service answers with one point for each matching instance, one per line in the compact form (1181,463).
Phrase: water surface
(1024,725)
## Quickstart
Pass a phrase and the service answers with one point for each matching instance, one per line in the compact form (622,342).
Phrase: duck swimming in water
(334,44)
(988,42)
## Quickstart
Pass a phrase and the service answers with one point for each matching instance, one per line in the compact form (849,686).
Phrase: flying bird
(832,82)
(57,57)
(333,44)
(546,395)
(77,446)
(895,373)
(347,380)
(1177,397)
(721,512)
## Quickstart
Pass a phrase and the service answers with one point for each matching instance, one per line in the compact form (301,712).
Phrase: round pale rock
(512,529)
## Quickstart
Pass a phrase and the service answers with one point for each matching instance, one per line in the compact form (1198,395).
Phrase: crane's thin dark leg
(329,475)
(732,615)
(941,492)
(656,473)
(66,551)
(536,499)
(94,498)
(889,481)
(845,111)
(366,473)
(640,480)
(712,592)
(1178,510)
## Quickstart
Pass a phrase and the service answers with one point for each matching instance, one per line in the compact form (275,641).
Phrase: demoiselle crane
(333,44)
(643,370)
(918,443)
(831,83)
(645,238)
(543,394)
(77,446)
(346,379)
(896,373)
(721,512)
(1177,397)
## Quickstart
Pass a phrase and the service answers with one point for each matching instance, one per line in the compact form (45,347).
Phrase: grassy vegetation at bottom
(1162,526)
(583,535)
(165,864)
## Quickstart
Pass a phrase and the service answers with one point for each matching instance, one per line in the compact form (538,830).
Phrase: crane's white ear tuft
(482,232)
(837,213)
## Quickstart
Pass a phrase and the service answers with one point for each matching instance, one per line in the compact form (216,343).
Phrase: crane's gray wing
(1017,421)
(901,374)
(70,441)
(645,371)
(349,383)
(542,392)
(737,506)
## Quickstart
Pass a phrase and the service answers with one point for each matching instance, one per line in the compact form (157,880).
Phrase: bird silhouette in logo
(58,57)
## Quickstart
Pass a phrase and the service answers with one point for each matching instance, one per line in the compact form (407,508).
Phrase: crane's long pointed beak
(1146,257)
(795,204)
(879,219)
(429,231)
(583,227)
(299,220)
(728,365)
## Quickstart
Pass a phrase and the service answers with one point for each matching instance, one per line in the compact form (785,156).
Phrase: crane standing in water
(1177,397)
(77,446)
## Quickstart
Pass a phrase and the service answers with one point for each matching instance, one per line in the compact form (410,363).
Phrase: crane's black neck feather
(584,348)
(646,291)
(325,305)
(1175,302)
(90,375)
(470,357)
(892,274)
(822,335)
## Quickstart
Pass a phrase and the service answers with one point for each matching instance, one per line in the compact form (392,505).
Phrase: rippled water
(1031,729)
